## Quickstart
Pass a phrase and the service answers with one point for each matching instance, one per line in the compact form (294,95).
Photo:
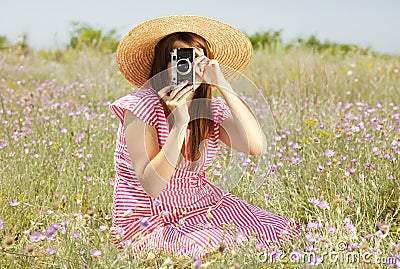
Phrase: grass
(336,161)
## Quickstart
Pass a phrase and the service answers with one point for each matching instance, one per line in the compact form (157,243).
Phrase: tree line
(85,36)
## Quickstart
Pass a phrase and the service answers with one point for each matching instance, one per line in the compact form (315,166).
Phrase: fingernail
(185,81)
(192,63)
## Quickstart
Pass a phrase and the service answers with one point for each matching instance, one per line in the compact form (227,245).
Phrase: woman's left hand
(208,69)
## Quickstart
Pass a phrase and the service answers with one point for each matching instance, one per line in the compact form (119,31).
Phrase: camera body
(181,64)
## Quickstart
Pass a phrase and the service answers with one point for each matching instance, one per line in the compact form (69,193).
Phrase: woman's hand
(177,101)
(208,69)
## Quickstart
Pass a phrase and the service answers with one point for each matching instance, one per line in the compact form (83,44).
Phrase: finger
(199,70)
(185,91)
(178,88)
(212,62)
(198,52)
(164,91)
(199,59)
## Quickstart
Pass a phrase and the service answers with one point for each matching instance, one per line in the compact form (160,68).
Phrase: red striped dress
(188,217)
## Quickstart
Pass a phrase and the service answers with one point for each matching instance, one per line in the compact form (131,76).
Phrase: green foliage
(20,47)
(272,40)
(268,39)
(84,35)
(3,42)
(333,48)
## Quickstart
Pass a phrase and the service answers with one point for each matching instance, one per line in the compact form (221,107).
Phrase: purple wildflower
(379,234)
(216,173)
(197,263)
(349,227)
(144,222)
(1,223)
(82,166)
(50,232)
(370,165)
(313,225)
(35,237)
(323,204)
(79,138)
(275,255)
(14,203)
(120,231)
(76,235)
(352,170)
(384,227)
(156,202)
(368,236)
(95,253)
(314,201)
(329,153)
(352,246)
(330,229)
(396,246)
(50,251)
(310,237)
(239,237)
(165,213)
(347,220)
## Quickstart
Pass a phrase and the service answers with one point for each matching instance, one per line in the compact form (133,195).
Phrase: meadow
(335,167)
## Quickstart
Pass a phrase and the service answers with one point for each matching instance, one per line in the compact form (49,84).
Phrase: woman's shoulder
(137,96)
(142,103)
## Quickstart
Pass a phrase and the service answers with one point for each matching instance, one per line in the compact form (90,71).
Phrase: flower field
(335,169)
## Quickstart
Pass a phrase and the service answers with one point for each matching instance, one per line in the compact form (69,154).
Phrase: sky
(368,23)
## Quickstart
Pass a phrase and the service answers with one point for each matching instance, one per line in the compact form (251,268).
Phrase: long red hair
(201,124)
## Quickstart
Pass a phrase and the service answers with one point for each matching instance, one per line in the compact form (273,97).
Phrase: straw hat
(135,52)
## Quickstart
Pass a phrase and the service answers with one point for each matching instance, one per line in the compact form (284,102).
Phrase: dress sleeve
(141,103)
(220,109)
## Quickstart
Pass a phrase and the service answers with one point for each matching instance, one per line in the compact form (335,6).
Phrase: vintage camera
(181,63)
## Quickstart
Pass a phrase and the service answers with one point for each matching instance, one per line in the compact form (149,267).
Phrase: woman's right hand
(177,101)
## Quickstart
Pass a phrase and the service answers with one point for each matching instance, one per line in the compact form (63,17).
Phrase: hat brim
(135,52)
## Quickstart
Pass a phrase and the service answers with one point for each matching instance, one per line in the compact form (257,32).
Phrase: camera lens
(183,66)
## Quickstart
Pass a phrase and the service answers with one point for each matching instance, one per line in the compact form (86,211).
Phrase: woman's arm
(154,167)
(241,129)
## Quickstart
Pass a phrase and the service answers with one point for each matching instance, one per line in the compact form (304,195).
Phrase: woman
(169,135)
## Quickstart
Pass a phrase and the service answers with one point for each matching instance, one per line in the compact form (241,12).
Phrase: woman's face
(181,44)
